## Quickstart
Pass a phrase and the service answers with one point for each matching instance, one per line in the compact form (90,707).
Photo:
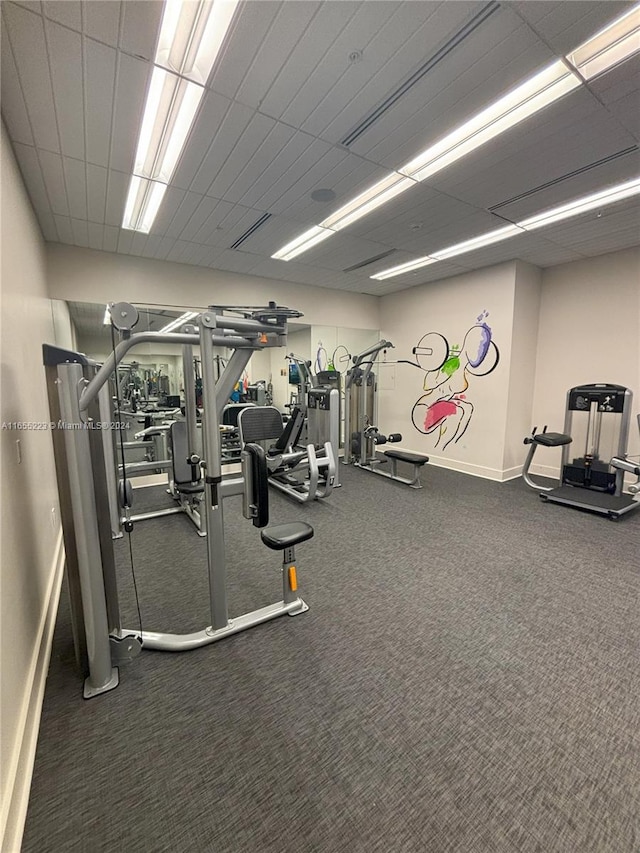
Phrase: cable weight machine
(75,385)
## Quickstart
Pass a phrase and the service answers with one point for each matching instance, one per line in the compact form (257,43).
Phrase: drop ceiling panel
(247,150)
(53,175)
(96,233)
(244,187)
(102,20)
(300,154)
(251,27)
(342,251)
(289,26)
(76,185)
(213,110)
(171,202)
(619,90)
(29,163)
(26,34)
(65,58)
(573,133)
(497,56)
(63,227)
(223,136)
(140,25)
(14,108)
(183,214)
(117,187)
(613,172)
(307,56)
(217,218)
(48,225)
(596,224)
(410,37)
(96,193)
(125,241)
(350,177)
(100,75)
(336,80)
(80,231)
(131,89)
(296,201)
(566,25)
(68,12)
(110,238)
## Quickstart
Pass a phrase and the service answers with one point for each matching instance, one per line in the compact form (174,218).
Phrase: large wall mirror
(155,371)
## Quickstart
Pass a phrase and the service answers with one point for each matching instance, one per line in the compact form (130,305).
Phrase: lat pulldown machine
(76,386)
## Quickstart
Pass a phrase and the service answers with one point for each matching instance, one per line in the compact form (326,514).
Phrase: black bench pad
(405,456)
(281,536)
(552,439)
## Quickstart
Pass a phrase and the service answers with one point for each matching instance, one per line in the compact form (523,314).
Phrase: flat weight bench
(415,459)
(284,537)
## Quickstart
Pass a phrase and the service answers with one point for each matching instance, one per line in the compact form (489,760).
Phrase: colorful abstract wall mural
(445,408)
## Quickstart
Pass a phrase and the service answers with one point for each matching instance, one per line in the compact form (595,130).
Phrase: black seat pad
(552,439)
(281,536)
(405,456)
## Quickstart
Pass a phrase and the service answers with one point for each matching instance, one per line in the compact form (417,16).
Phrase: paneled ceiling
(322,95)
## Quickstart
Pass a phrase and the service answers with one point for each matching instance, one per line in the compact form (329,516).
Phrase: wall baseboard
(495,474)
(14,811)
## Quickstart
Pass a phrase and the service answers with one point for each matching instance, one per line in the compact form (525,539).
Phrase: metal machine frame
(588,482)
(75,386)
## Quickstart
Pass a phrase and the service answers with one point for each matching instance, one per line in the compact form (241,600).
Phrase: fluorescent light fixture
(380,193)
(555,214)
(582,205)
(191,35)
(408,267)
(477,242)
(612,45)
(529,97)
(534,94)
(168,115)
(305,241)
(142,205)
(179,321)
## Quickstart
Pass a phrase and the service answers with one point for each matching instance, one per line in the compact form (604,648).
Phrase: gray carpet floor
(467,679)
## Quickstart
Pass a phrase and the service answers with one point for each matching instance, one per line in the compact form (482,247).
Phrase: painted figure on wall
(445,408)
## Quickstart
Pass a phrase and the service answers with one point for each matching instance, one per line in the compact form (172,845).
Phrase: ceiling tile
(67,12)
(26,34)
(102,20)
(99,82)
(117,188)
(14,109)
(140,27)
(76,184)
(96,193)
(29,163)
(53,175)
(65,58)
(131,89)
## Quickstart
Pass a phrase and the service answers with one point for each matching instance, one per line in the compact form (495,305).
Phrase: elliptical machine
(591,481)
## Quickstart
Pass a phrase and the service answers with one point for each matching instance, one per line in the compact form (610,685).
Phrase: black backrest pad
(180,451)
(259,423)
(291,432)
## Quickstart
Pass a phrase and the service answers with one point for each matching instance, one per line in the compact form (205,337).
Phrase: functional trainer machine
(75,387)
(597,416)
(361,436)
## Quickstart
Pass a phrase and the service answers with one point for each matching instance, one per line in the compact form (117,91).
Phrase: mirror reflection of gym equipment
(78,394)
(594,452)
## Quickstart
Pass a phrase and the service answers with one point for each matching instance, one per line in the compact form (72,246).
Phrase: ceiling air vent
(251,230)
(454,42)
(496,207)
(370,261)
